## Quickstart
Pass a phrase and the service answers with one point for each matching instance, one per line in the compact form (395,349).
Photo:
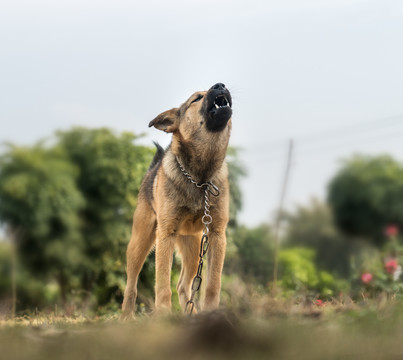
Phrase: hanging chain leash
(208,188)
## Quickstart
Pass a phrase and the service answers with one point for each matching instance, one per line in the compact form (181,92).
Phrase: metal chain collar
(208,187)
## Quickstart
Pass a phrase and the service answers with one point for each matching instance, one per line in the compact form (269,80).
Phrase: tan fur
(173,217)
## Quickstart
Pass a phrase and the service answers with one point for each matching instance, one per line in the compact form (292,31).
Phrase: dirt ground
(275,331)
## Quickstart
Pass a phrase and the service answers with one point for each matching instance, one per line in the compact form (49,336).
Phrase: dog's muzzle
(217,107)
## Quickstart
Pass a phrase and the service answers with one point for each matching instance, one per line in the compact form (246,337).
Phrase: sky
(325,73)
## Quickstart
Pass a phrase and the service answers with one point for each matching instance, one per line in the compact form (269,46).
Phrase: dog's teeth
(216,106)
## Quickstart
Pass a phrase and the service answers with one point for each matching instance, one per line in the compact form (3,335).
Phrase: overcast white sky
(327,73)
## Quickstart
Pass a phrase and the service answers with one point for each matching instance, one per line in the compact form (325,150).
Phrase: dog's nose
(219,86)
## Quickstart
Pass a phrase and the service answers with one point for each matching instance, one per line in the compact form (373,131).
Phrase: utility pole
(280,211)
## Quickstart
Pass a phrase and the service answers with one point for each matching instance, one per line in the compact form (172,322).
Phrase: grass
(272,330)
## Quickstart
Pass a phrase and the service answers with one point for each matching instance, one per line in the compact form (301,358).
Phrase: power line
(389,137)
(326,135)
(361,126)
(337,138)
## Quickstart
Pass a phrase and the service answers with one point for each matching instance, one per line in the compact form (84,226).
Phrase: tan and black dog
(170,207)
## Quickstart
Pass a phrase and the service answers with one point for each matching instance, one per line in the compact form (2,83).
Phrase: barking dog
(170,208)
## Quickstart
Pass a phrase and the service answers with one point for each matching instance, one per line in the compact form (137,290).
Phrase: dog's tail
(158,155)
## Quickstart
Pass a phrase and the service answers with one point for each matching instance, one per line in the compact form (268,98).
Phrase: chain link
(209,188)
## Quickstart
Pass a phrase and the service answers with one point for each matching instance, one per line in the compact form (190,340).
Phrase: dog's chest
(190,200)
(191,206)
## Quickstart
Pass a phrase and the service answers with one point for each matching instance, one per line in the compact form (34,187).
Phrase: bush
(380,271)
(253,260)
(298,273)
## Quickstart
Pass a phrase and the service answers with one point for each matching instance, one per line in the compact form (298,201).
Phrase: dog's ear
(167,121)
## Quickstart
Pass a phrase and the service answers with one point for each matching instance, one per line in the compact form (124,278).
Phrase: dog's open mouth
(221,101)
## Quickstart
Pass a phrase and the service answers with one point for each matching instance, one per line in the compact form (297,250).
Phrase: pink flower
(319,302)
(391,266)
(366,278)
(391,230)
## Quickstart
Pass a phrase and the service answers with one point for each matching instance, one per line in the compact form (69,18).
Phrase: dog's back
(148,181)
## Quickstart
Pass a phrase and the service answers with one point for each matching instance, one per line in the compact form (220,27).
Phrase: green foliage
(312,226)
(111,168)
(298,273)
(33,292)
(254,256)
(40,202)
(38,187)
(5,270)
(69,207)
(366,195)
(236,171)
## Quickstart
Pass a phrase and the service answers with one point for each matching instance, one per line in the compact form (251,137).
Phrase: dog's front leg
(215,258)
(163,263)
(189,248)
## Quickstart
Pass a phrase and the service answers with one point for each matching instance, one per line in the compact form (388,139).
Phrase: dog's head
(204,111)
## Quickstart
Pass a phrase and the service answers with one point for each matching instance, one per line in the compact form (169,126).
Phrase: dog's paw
(127,316)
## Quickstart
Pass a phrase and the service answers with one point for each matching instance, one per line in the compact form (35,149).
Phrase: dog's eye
(199,97)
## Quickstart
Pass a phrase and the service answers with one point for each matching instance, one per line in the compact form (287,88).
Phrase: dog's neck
(202,161)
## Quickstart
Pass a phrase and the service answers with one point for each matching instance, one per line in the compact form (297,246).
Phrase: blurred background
(80,81)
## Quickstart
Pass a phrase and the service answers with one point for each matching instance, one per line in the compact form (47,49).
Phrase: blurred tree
(39,201)
(5,277)
(365,196)
(254,256)
(236,171)
(312,227)
(111,168)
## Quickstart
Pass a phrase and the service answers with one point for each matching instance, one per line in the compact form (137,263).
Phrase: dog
(170,207)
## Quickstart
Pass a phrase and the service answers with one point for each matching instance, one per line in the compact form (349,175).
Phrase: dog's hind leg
(164,250)
(189,248)
(141,242)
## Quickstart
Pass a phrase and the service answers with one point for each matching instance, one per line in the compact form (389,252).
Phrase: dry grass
(274,329)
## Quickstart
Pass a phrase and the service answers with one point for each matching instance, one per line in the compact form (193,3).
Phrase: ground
(274,330)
